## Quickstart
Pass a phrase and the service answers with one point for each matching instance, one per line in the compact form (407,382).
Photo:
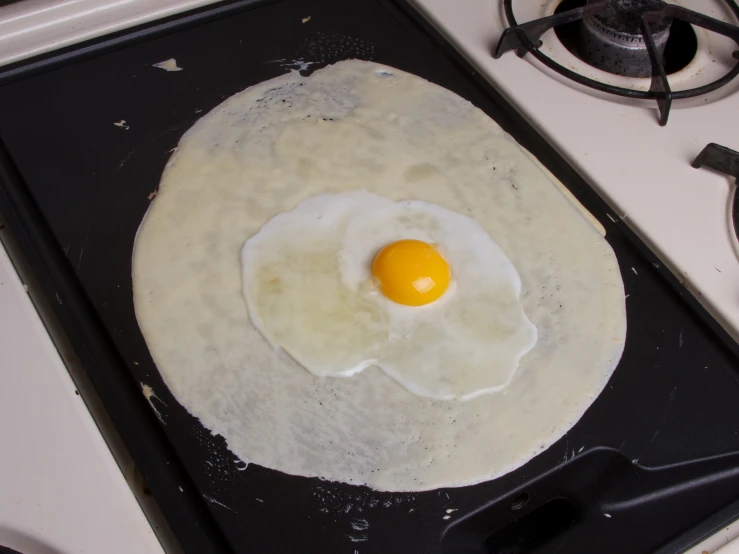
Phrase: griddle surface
(674,397)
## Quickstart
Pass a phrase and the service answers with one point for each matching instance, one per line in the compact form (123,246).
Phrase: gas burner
(625,37)
(612,39)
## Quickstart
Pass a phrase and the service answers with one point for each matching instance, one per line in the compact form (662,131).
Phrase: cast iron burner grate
(726,161)
(525,38)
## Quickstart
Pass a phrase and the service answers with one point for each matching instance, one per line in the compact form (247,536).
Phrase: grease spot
(359,524)
(222,505)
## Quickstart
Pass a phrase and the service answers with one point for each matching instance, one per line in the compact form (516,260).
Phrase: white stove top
(61,491)
(642,169)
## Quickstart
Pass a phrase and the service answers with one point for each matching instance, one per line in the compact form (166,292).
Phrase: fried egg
(351,280)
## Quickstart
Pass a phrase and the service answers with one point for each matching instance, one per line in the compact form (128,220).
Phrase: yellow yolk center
(411,272)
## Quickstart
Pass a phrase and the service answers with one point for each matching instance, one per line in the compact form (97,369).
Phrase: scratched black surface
(673,399)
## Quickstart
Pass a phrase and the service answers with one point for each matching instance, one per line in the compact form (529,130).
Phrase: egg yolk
(411,272)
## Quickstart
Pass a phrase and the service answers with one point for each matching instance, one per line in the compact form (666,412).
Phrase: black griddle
(653,466)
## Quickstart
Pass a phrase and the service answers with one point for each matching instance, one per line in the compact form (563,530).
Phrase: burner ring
(623,38)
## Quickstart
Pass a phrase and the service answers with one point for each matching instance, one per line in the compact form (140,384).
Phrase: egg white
(308,287)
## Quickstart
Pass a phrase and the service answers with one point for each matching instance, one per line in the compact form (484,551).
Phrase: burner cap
(624,16)
(612,40)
